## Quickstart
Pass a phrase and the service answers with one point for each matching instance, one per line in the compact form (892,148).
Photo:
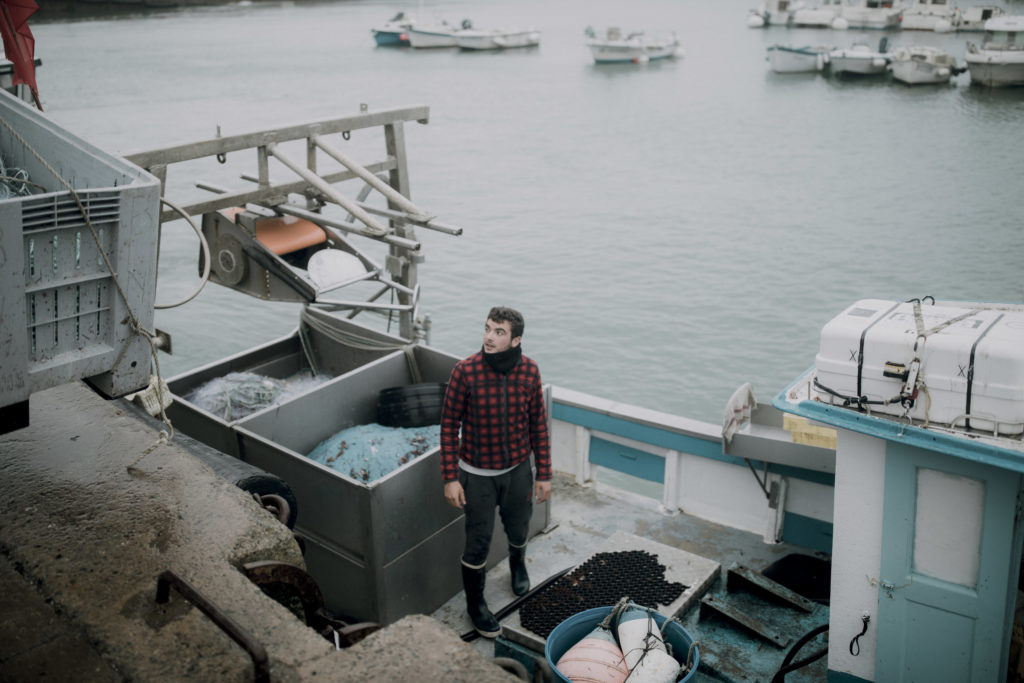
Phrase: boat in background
(394,32)
(974,18)
(999,60)
(773,13)
(870,14)
(930,15)
(436,35)
(921,64)
(636,47)
(860,59)
(819,16)
(496,38)
(784,59)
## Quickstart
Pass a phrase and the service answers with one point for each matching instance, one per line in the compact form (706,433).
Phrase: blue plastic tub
(576,627)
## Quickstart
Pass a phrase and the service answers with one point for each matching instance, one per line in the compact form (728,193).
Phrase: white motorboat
(496,38)
(870,14)
(922,64)
(393,32)
(436,35)
(860,59)
(785,59)
(974,18)
(930,15)
(774,13)
(999,60)
(818,16)
(637,47)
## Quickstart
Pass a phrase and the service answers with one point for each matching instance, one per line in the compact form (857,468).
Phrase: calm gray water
(670,231)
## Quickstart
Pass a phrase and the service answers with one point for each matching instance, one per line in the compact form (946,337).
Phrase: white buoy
(643,648)
(596,658)
(755,20)
(840,24)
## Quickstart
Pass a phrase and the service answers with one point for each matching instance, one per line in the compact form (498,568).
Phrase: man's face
(498,337)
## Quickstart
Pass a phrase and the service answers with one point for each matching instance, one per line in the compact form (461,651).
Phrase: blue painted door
(950,552)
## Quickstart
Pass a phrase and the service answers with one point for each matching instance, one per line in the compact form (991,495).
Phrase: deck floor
(584,518)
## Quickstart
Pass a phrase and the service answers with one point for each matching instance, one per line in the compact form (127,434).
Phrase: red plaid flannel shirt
(502,418)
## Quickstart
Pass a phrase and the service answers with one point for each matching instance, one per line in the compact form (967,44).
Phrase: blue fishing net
(368,452)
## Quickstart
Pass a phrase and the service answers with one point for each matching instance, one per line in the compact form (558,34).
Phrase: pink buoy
(594,659)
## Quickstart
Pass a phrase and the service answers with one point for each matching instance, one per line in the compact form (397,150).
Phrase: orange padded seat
(285,234)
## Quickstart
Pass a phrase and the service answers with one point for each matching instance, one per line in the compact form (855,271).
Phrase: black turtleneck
(503,361)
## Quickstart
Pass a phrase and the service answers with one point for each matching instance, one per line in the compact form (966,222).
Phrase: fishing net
(368,452)
(238,394)
(14,182)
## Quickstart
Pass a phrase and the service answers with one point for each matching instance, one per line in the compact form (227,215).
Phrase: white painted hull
(787,60)
(815,17)
(863,17)
(497,39)
(632,50)
(432,36)
(927,21)
(995,71)
(974,18)
(860,62)
(921,65)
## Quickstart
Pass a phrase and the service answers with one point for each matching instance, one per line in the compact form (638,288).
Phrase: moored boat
(394,32)
(922,64)
(818,16)
(973,18)
(436,35)
(774,13)
(999,60)
(930,15)
(786,59)
(860,59)
(496,38)
(875,14)
(636,47)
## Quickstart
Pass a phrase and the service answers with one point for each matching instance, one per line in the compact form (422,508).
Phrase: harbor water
(670,230)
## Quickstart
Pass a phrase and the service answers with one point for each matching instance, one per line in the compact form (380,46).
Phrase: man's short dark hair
(501,314)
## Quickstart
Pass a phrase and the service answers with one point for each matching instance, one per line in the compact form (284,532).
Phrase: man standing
(492,419)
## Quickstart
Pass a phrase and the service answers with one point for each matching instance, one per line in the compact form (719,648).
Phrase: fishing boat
(860,59)
(637,47)
(930,15)
(873,14)
(922,64)
(823,15)
(774,13)
(787,59)
(836,531)
(394,32)
(496,38)
(436,35)
(999,60)
(973,18)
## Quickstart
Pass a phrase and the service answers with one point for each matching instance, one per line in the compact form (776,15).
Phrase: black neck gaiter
(503,361)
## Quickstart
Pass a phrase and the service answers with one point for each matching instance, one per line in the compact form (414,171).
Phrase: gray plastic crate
(62,316)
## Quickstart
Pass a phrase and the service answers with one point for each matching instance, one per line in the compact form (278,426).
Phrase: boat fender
(943,72)
(821,61)
(643,646)
(840,24)
(595,658)
(942,26)
(878,62)
(755,20)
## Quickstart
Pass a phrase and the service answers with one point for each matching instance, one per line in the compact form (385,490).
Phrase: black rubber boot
(483,621)
(517,568)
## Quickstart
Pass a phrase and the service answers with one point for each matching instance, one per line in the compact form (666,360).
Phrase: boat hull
(858,65)
(623,52)
(390,38)
(995,72)
(496,40)
(783,59)
(858,17)
(430,37)
(920,73)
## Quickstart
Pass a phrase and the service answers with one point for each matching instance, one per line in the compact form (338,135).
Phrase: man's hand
(542,490)
(454,494)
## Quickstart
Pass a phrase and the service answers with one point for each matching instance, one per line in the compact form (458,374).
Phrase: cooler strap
(970,369)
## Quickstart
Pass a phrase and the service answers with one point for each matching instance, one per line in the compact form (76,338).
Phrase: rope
(132,319)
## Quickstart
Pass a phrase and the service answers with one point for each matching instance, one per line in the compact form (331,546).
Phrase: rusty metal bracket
(747,621)
(258,653)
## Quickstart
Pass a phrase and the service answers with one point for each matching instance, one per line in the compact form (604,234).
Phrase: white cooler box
(874,338)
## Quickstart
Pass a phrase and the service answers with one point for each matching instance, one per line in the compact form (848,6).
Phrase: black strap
(970,369)
(860,352)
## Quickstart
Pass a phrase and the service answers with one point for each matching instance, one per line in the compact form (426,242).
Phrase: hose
(789,666)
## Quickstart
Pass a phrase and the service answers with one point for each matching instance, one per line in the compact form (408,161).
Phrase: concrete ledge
(89,535)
